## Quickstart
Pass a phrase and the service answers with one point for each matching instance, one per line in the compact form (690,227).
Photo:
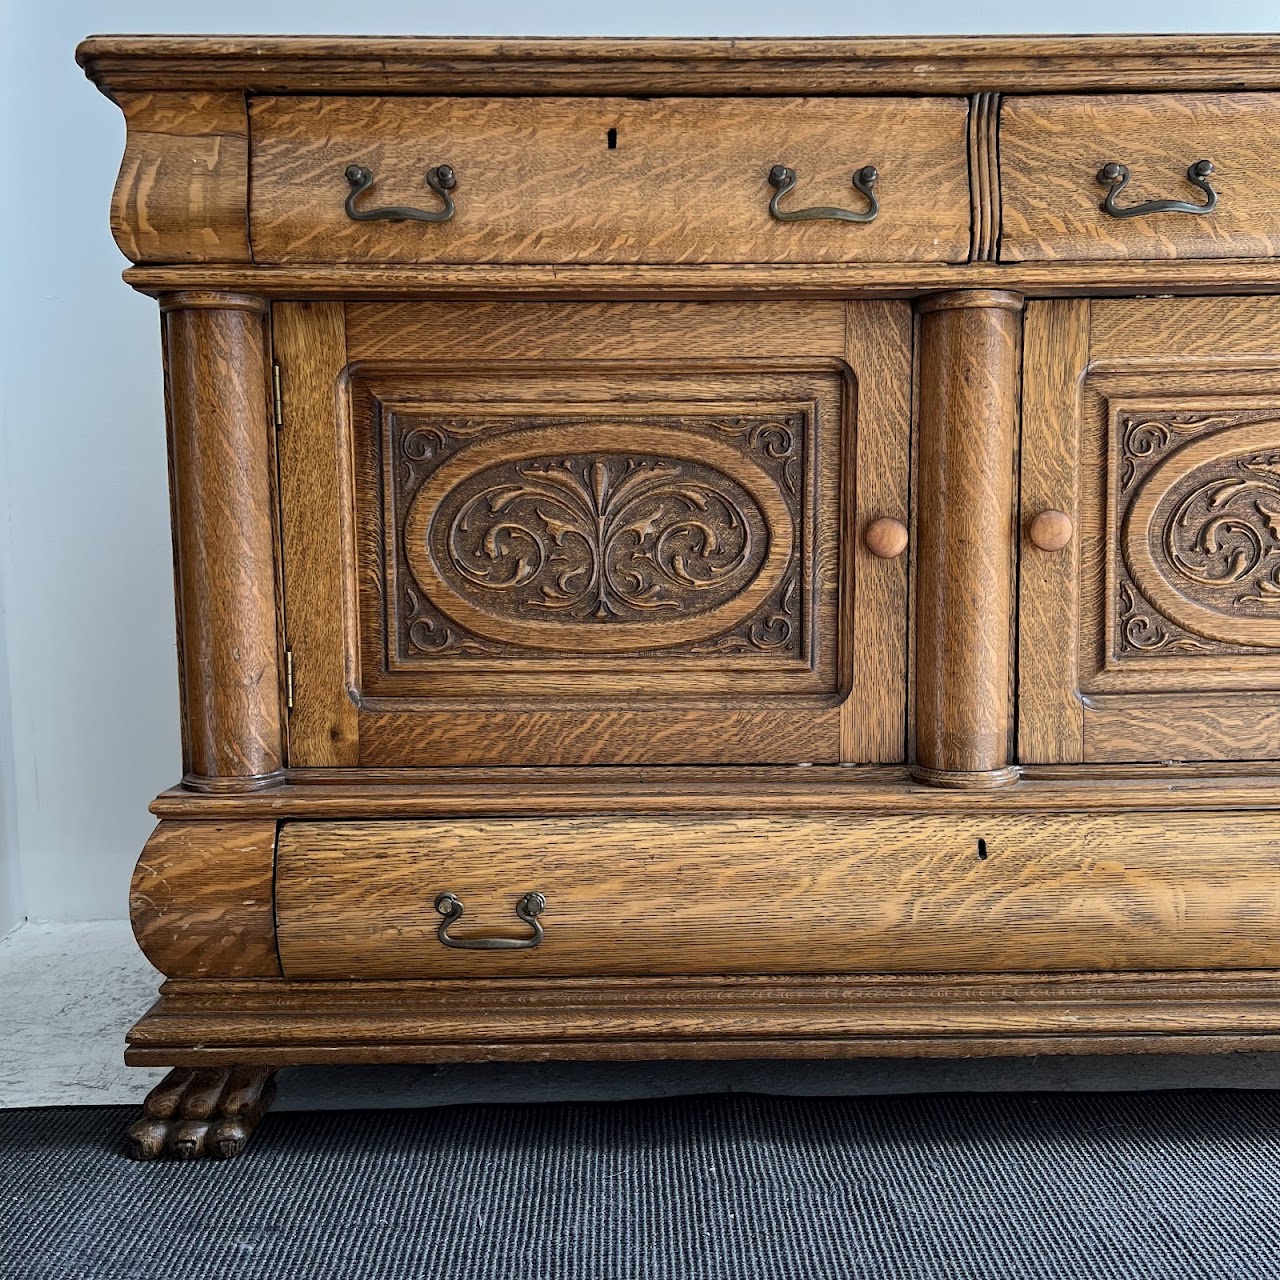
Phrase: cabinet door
(614,533)
(1154,634)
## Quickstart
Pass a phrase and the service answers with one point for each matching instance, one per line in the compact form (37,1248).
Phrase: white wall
(88,715)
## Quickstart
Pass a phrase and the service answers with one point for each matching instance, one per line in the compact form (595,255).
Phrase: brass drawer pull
(529,908)
(441,180)
(782,179)
(1116,176)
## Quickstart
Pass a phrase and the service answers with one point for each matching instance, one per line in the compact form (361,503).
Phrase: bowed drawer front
(563,180)
(1054,158)
(836,894)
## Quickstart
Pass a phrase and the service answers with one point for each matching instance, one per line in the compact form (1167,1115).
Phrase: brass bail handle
(1115,177)
(782,179)
(440,179)
(529,908)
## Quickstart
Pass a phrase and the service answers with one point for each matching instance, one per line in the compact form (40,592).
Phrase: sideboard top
(678,67)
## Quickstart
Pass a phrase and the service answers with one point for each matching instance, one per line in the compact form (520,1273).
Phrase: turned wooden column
(970,346)
(220,441)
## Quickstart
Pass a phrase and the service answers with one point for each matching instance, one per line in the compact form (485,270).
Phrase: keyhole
(612,137)
(982,850)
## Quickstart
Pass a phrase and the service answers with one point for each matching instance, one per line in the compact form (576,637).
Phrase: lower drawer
(784,894)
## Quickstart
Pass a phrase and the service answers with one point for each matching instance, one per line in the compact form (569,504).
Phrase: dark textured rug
(728,1187)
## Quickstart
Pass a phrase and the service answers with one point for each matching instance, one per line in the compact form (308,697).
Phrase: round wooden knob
(1051,530)
(886,537)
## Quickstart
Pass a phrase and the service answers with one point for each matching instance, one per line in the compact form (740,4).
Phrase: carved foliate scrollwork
(600,537)
(687,545)
(1221,533)
(1199,557)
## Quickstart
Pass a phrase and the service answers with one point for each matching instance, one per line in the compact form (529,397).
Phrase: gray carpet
(727,1187)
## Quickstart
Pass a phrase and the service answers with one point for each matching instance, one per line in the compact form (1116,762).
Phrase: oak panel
(1217,726)
(873,717)
(310,348)
(1052,148)
(724,895)
(608,180)
(478,371)
(1163,455)
(1165,333)
(1055,354)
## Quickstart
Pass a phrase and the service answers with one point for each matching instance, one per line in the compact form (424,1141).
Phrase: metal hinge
(288,678)
(277,400)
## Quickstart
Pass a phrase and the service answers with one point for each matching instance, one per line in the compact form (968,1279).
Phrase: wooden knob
(886,537)
(1051,530)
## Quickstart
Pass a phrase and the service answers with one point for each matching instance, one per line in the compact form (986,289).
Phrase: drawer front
(1053,149)
(560,180)
(781,895)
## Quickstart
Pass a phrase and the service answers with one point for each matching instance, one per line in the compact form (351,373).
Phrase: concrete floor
(70,991)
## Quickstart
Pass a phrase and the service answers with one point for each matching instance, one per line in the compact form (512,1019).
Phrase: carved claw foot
(209,1111)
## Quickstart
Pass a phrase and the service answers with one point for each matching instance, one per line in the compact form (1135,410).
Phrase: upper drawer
(558,180)
(1052,151)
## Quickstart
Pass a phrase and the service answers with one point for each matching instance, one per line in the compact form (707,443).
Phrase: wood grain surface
(464,1020)
(183,190)
(969,359)
(221,464)
(873,718)
(1051,149)
(738,861)
(201,903)
(801,895)
(1176,727)
(984,177)
(702,67)
(583,708)
(1055,354)
(690,789)
(702,282)
(309,341)
(1177,396)
(1164,334)
(608,180)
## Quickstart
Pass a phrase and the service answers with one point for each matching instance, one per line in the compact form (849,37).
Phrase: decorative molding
(691,67)
(1198,560)
(984,177)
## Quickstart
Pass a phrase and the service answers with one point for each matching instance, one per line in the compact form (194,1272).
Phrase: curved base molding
(872,1015)
(961,780)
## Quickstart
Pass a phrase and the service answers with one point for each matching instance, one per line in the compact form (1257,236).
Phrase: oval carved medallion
(557,537)
(1202,537)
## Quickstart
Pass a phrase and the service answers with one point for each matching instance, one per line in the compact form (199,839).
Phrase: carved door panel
(615,533)
(1154,635)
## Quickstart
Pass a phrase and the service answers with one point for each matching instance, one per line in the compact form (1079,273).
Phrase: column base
(963,780)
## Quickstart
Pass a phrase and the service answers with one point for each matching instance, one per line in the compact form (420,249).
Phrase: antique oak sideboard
(705,548)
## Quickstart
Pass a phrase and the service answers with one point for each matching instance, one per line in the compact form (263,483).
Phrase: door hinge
(277,400)
(288,678)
